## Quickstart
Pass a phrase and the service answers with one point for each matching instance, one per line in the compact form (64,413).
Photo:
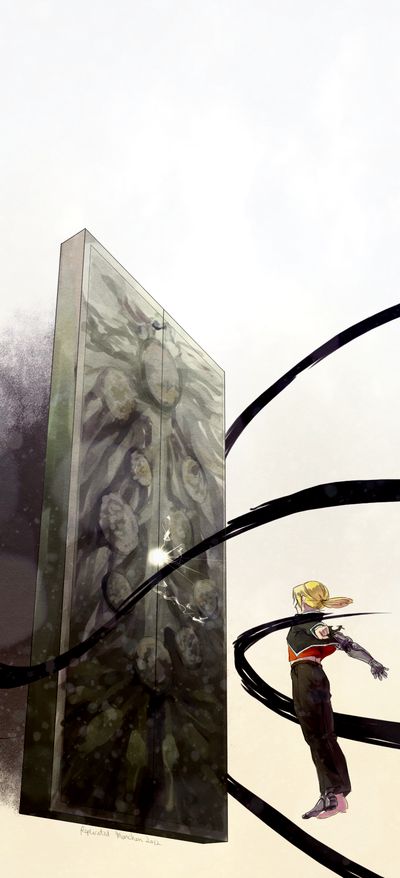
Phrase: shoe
(325,803)
(341,808)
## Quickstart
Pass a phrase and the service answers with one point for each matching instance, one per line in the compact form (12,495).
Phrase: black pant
(312,705)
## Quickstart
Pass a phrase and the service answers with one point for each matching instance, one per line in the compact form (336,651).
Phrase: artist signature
(122,836)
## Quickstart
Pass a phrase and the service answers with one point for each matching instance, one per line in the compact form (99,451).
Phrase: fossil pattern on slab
(140,725)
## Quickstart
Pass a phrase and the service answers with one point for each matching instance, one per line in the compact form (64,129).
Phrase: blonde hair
(316,596)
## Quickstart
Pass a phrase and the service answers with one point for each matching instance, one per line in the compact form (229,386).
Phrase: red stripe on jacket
(317,651)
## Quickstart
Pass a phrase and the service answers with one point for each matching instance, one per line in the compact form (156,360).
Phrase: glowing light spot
(159,557)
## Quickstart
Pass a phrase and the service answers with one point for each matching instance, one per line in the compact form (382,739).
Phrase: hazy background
(241,160)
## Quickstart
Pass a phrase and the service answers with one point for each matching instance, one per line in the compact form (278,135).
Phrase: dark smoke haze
(25,371)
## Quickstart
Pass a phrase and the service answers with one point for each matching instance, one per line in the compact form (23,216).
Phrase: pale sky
(241,160)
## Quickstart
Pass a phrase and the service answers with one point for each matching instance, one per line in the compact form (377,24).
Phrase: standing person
(308,644)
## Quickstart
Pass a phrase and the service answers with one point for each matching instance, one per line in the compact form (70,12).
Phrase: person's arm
(354,650)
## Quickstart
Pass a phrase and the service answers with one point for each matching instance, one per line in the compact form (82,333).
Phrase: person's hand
(378,671)
(322,632)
